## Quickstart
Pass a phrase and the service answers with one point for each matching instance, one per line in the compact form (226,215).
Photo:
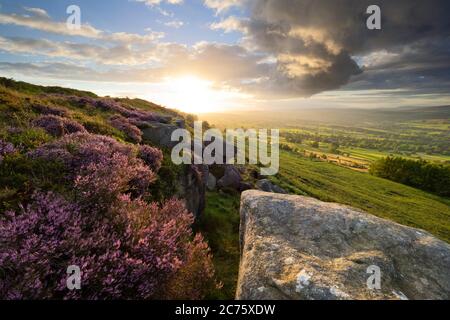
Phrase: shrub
(122,124)
(101,167)
(48,110)
(135,116)
(26,139)
(5,149)
(58,126)
(419,174)
(152,157)
(138,251)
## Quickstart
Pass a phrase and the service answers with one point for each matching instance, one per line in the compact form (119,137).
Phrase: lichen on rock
(295,247)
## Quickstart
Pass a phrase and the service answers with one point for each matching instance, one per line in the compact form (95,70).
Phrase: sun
(193,94)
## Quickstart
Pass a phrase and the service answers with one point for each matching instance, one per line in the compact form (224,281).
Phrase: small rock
(212,181)
(267,186)
(302,280)
(160,134)
(231,179)
(244,186)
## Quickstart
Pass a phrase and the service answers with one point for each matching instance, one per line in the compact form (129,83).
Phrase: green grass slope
(220,226)
(380,197)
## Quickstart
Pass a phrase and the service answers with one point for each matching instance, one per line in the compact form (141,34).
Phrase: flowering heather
(134,116)
(122,124)
(152,157)
(138,251)
(58,126)
(102,168)
(5,149)
(47,110)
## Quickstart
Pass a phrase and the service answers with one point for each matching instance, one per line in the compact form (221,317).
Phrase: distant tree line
(421,174)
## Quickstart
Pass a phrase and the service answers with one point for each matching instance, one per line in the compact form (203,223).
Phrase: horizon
(228,56)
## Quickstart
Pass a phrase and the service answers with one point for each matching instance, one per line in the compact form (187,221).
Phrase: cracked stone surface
(295,247)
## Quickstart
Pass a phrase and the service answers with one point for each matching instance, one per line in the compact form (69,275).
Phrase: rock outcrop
(296,247)
(192,188)
(231,178)
(267,186)
(160,134)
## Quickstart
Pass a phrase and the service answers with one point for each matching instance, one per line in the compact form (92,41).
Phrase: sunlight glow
(192,94)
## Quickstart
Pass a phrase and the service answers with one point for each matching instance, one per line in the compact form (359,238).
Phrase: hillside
(84,182)
(23,132)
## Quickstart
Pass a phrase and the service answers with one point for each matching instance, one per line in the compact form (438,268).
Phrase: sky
(227,55)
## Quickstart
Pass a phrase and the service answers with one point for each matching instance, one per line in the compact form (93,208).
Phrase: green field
(378,196)
(372,155)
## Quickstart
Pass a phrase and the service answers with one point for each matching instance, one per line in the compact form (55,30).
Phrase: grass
(373,155)
(220,226)
(380,197)
(327,182)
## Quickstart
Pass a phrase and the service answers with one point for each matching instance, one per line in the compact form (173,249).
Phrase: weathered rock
(164,119)
(212,182)
(244,186)
(192,188)
(160,134)
(231,179)
(296,247)
(267,186)
(181,123)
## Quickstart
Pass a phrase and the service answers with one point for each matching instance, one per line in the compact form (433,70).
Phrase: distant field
(372,155)
(329,161)
(378,196)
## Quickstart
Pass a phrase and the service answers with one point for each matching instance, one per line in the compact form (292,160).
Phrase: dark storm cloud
(317,42)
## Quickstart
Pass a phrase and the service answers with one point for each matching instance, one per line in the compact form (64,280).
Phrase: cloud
(38,12)
(174,24)
(231,24)
(118,54)
(319,45)
(221,6)
(289,48)
(39,20)
(236,66)
(152,3)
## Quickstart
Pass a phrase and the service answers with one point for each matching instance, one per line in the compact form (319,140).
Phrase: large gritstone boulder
(296,247)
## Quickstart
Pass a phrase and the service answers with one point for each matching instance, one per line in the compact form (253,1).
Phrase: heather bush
(58,126)
(136,251)
(5,149)
(101,167)
(135,116)
(122,124)
(48,110)
(26,139)
(152,157)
